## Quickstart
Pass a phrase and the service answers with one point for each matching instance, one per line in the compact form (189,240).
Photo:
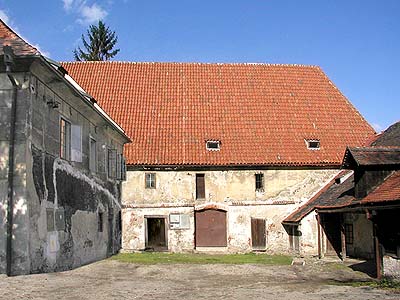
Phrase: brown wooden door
(211,228)
(258,239)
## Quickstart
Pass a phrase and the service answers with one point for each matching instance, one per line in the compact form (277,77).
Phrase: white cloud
(92,13)
(4,17)
(378,128)
(86,13)
(68,4)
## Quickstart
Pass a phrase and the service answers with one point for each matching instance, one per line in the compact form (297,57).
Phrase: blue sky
(356,43)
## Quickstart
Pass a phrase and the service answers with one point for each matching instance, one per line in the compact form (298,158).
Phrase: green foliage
(385,284)
(100,45)
(179,258)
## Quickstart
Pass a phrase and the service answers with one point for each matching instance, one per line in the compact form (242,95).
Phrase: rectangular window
(200,187)
(100,222)
(76,143)
(213,145)
(259,182)
(348,233)
(119,166)
(112,163)
(313,144)
(65,139)
(150,180)
(93,155)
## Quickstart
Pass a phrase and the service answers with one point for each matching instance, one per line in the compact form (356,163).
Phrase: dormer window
(213,145)
(313,144)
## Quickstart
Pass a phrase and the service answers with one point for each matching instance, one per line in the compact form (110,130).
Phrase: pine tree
(100,45)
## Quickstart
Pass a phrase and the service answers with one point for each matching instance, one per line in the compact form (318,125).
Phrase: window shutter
(123,168)
(76,143)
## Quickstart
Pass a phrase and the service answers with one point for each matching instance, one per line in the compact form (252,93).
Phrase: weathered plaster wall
(309,235)
(234,191)
(133,228)
(224,186)
(65,197)
(363,245)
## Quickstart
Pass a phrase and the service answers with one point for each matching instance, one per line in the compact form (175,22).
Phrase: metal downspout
(8,60)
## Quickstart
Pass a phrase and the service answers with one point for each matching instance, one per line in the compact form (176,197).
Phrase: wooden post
(378,259)
(343,239)
(319,236)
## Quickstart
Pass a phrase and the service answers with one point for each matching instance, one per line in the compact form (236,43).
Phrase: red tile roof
(10,38)
(261,113)
(389,190)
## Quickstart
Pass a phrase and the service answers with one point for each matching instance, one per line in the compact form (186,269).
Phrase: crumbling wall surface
(284,191)
(309,235)
(239,227)
(179,187)
(391,268)
(73,212)
(20,253)
(65,223)
(363,244)
(134,228)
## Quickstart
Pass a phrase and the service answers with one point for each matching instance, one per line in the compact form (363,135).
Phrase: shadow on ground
(367,267)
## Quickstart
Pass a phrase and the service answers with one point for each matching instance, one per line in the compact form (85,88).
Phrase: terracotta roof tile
(10,38)
(261,113)
(389,190)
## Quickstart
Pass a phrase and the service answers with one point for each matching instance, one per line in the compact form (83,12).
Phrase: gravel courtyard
(111,279)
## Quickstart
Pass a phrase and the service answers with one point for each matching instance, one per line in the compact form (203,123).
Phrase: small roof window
(213,145)
(313,144)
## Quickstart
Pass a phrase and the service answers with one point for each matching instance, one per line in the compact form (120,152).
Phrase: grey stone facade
(66,211)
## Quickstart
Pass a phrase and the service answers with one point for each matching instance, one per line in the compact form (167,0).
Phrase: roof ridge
(190,63)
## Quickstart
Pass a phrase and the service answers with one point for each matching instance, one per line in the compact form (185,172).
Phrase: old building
(221,153)
(358,212)
(61,166)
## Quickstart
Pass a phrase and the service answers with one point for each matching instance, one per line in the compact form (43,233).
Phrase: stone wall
(391,268)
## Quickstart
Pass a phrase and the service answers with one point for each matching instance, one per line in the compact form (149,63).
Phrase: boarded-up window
(76,143)
(179,221)
(200,186)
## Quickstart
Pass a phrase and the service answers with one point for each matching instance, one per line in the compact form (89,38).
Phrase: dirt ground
(110,279)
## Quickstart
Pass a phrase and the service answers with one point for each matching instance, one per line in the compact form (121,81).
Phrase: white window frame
(309,142)
(216,143)
(150,180)
(65,139)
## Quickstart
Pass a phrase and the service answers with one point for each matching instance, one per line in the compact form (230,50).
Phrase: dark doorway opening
(331,223)
(156,234)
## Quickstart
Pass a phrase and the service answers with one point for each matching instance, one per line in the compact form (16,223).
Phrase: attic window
(313,144)
(213,145)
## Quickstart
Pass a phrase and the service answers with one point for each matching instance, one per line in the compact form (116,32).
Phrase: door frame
(146,233)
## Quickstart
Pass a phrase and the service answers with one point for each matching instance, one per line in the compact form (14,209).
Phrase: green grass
(385,284)
(179,258)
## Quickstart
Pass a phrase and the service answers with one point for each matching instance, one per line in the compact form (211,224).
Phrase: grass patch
(180,258)
(385,284)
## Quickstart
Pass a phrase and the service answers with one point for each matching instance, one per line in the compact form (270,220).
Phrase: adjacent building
(221,154)
(357,214)
(61,166)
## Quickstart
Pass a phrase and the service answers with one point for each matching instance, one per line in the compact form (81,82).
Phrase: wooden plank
(211,228)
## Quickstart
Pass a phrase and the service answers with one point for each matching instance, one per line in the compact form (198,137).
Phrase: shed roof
(262,114)
(387,191)
(372,156)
